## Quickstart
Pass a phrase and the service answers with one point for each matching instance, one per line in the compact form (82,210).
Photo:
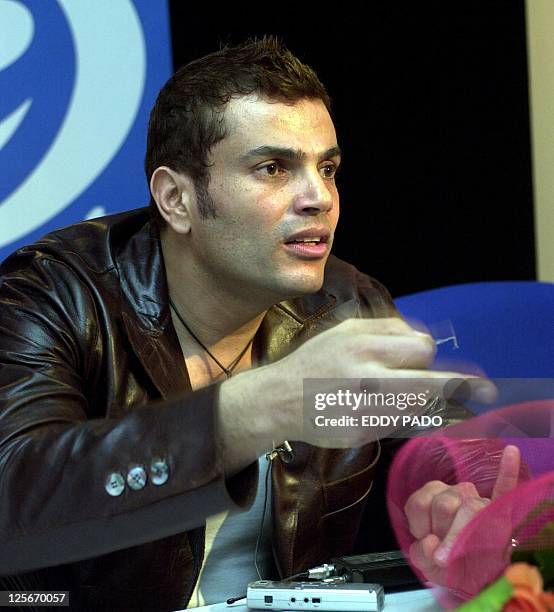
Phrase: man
(121,428)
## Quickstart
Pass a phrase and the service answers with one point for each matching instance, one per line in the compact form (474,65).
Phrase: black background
(430,103)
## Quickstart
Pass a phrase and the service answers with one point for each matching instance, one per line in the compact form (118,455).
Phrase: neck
(218,317)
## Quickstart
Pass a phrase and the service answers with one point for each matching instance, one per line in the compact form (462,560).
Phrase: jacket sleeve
(55,460)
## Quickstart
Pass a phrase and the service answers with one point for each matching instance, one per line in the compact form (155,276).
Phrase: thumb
(469,508)
(508,472)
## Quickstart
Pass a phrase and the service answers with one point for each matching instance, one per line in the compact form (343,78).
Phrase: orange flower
(528,595)
(523,600)
(524,575)
(548,600)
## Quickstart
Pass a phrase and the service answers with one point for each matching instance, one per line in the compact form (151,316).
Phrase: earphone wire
(264,509)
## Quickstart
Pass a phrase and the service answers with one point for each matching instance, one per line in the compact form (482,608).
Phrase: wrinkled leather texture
(92,381)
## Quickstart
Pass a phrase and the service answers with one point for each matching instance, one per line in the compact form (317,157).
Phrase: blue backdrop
(77,81)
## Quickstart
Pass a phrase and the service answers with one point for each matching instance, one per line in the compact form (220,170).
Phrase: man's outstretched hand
(438,512)
(264,405)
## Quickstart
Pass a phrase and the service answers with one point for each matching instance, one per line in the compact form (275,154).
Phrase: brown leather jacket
(92,382)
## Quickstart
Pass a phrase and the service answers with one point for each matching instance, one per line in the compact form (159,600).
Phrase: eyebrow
(286,153)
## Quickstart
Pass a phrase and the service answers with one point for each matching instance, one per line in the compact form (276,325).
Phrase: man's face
(273,187)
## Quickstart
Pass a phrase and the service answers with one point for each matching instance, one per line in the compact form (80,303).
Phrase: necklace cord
(227,370)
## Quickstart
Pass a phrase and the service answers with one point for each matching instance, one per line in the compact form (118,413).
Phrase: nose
(316,194)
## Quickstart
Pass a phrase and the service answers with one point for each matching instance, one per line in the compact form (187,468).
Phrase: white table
(408,601)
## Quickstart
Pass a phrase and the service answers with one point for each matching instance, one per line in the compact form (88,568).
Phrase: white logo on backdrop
(109,82)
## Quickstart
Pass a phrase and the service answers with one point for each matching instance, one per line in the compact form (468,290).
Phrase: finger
(421,553)
(418,508)
(469,508)
(444,384)
(397,352)
(446,504)
(508,472)
(444,508)
(385,326)
(466,489)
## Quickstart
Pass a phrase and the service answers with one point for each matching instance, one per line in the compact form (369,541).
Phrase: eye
(328,171)
(272,169)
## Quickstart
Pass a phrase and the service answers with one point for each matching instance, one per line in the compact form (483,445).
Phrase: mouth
(308,244)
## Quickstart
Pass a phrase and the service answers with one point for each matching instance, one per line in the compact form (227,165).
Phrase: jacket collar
(145,311)
(147,318)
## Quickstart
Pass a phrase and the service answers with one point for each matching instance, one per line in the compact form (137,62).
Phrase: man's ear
(174,194)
